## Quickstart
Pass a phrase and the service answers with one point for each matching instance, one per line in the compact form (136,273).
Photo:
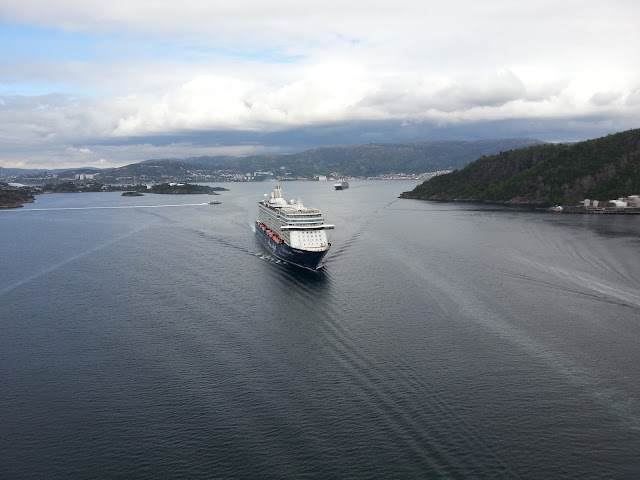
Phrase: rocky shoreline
(15,198)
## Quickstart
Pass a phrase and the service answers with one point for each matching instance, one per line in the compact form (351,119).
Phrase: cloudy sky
(110,82)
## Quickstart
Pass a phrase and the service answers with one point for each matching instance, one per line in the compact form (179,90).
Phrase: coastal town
(622,206)
(48,177)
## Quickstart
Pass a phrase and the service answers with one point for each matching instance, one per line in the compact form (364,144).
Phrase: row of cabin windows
(309,237)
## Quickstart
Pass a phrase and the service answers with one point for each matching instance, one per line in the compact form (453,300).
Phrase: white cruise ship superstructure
(292,232)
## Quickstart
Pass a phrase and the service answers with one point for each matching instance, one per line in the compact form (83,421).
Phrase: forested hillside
(384,158)
(604,168)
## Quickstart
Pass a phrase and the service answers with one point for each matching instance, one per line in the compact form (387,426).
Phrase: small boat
(341,185)
(215,202)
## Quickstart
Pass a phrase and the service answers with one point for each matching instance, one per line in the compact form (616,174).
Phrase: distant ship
(341,184)
(292,232)
(215,202)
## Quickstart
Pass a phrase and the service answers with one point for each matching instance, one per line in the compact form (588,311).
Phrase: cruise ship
(292,232)
(341,184)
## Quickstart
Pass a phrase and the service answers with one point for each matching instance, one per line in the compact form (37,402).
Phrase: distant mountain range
(10,172)
(372,159)
(602,169)
(348,161)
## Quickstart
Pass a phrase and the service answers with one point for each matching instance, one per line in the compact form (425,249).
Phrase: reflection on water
(605,225)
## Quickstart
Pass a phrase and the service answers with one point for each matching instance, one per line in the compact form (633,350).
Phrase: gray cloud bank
(252,77)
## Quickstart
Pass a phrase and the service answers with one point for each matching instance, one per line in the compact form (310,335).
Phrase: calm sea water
(151,337)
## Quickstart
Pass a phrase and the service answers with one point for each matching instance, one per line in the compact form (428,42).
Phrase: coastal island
(15,198)
(184,188)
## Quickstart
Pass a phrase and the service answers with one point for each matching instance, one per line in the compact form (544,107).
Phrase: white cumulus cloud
(111,75)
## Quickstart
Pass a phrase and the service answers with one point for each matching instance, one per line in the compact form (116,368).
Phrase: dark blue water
(154,339)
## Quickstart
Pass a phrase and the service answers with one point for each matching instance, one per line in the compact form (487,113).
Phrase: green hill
(383,158)
(605,168)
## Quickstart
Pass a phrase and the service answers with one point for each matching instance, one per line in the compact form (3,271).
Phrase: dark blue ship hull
(282,251)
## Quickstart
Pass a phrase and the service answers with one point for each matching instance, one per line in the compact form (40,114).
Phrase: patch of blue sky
(31,44)
(34,45)
(36,89)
